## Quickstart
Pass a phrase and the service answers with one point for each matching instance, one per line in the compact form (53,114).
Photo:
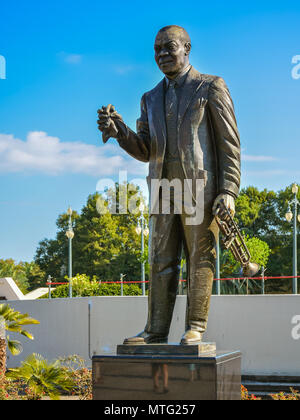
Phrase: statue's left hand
(228,201)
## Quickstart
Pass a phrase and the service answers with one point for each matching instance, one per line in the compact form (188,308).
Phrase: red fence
(182,280)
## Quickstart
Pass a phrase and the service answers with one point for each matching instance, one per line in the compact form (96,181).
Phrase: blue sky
(64,59)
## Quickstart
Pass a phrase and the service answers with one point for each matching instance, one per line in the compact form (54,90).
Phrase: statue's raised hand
(107,117)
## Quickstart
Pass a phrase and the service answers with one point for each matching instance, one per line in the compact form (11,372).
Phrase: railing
(259,278)
(183,280)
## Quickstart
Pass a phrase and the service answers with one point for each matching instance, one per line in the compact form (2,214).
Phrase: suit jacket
(208,138)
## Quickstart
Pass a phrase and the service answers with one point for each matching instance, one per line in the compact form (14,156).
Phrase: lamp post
(49,286)
(142,230)
(70,236)
(293,205)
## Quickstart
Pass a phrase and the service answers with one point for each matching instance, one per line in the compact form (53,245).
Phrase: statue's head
(172,48)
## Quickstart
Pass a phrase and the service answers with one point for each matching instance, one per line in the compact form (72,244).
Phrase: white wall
(260,326)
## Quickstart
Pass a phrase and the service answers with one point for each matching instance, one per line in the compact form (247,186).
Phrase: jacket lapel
(158,109)
(192,85)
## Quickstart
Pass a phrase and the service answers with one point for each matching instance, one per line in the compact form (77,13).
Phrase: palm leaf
(13,321)
(15,347)
(29,321)
(27,334)
(43,377)
(13,326)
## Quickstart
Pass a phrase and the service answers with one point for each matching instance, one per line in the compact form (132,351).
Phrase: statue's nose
(163,53)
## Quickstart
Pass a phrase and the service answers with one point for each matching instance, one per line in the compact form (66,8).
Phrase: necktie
(171,120)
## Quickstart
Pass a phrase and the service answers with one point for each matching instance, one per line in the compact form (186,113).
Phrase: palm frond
(14,321)
(14,346)
(27,334)
(42,376)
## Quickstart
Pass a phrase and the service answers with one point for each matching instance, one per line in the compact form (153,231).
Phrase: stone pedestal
(167,349)
(215,376)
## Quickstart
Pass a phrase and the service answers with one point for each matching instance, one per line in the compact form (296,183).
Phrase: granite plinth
(167,377)
(167,349)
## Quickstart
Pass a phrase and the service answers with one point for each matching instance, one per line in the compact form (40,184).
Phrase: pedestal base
(161,377)
(167,349)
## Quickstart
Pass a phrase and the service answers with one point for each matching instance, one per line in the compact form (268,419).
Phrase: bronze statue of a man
(187,130)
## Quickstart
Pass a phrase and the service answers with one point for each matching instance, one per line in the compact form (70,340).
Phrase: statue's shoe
(191,337)
(146,338)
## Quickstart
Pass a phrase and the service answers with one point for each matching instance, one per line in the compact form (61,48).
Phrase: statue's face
(171,53)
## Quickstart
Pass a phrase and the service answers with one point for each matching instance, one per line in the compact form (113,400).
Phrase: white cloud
(122,70)
(257,158)
(49,155)
(73,58)
(70,58)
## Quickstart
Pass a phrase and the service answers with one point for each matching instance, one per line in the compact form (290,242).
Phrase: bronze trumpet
(233,240)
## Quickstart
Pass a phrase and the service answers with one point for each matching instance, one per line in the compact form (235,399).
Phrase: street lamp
(142,230)
(289,216)
(49,284)
(70,236)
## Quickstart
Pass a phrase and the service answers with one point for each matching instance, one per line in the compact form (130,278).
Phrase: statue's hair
(183,33)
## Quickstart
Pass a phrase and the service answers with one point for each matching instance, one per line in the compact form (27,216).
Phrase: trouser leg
(201,260)
(200,249)
(164,260)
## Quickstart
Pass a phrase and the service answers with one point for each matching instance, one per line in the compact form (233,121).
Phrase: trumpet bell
(250,270)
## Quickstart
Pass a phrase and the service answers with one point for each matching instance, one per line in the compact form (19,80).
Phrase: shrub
(293,396)
(80,375)
(40,378)
(245,396)
(9,390)
(82,286)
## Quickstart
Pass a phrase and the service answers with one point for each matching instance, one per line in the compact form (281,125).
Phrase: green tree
(52,254)
(27,275)
(104,245)
(256,211)
(35,276)
(262,214)
(259,251)
(17,271)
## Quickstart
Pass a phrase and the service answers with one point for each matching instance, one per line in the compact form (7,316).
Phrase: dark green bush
(84,287)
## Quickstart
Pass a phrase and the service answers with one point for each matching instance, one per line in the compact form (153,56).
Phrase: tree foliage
(104,245)
(261,214)
(259,251)
(17,271)
(27,276)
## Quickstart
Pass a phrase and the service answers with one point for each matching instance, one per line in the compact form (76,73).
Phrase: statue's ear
(187,47)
